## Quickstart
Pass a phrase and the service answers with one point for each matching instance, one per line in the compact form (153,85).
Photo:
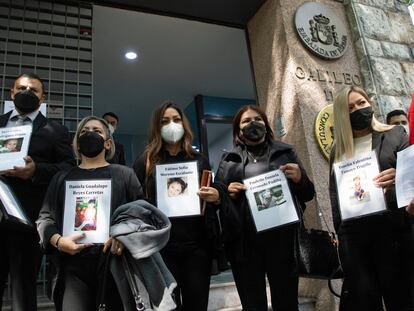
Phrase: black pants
(21,258)
(369,263)
(190,264)
(82,285)
(271,255)
(405,263)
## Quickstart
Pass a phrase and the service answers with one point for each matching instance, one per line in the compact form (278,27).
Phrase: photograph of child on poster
(176,186)
(86,214)
(11,145)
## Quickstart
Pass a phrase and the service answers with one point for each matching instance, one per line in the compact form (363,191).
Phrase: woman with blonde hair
(367,244)
(189,252)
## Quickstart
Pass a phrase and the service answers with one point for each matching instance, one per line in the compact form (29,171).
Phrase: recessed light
(131,55)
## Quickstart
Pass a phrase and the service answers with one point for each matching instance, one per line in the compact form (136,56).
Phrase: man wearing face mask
(119,157)
(49,151)
(398,117)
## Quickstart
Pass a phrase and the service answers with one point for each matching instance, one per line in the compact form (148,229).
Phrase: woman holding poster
(169,171)
(254,255)
(81,200)
(367,243)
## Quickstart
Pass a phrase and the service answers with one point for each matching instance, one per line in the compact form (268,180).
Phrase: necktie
(21,120)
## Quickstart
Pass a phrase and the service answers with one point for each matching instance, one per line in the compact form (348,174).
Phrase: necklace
(253,158)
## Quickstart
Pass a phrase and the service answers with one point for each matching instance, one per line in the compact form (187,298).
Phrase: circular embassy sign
(320,30)
(324,130)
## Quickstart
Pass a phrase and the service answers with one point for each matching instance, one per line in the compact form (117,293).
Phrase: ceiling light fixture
(131,55)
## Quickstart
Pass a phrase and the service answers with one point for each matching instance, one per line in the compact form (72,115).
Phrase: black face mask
(254,131)
(361,118)
(26,101)
(91,144)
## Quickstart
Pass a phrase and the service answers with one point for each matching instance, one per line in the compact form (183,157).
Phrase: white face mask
(407,131)
(172,132)
(111,129)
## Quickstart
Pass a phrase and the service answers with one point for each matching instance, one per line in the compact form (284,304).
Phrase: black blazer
(51,152)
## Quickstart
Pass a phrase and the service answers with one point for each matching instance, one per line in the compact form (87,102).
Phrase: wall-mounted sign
(324,130)
(320,30)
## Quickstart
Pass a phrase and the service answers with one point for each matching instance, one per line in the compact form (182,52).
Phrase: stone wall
(383,34)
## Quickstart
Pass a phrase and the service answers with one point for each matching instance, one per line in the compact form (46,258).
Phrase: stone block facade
(383,34)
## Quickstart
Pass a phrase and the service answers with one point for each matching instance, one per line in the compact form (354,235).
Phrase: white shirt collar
(32,116)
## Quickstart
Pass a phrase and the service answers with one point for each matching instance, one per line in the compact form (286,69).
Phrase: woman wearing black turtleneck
(270,253)
(188,254)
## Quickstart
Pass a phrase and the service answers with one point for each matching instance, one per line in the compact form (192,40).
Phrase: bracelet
(57,243)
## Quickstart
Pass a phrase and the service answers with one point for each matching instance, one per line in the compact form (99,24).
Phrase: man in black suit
(49,151)
(119,156)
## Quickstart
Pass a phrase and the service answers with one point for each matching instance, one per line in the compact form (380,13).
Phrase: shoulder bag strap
(147,170)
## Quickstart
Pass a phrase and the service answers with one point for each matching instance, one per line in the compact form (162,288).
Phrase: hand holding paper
(68,244)
(23,172)
(209,194)
(385,179)
(410,208)
(292,171)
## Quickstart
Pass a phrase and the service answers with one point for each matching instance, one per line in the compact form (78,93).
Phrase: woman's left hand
(410,208)
(116,247)
(385,179)
(209,194)
(292,171)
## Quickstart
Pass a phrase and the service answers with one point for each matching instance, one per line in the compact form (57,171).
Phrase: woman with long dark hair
(81,266)
(255,255)
(367,245)
(189,253)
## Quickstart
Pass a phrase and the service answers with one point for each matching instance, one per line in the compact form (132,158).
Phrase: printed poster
(11,206)
(88,209)
(270,200)
(14,145)
(404,178)
(357,194)
(177,186)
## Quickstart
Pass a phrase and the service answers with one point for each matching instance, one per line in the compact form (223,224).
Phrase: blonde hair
(344,140)
(108,153)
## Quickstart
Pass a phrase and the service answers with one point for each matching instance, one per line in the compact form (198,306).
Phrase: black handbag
(317,252)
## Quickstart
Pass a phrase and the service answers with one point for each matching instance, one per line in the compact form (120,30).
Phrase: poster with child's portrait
(88,209)
(357,194)
(14,145)
(177,185)
(270,200)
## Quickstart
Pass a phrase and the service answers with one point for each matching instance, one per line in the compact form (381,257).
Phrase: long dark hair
(155,142)
(236,124)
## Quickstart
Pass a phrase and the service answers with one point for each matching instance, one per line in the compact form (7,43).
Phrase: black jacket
(236,220)
(51,152)
(386,144)
(119,156)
